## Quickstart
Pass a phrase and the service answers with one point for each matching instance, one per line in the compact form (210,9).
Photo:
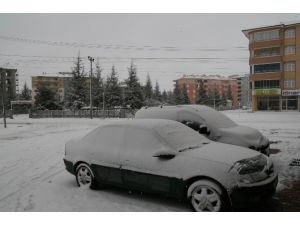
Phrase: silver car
(211,123)
(168,158)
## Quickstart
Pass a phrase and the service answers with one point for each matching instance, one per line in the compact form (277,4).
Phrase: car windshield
(215,118)
(181,137)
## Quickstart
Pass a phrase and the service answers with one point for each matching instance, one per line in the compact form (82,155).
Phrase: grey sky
(163,45)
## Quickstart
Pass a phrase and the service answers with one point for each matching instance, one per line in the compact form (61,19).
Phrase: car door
(142,171)
(105,154)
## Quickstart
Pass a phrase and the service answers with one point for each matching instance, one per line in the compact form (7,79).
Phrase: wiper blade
(193,147)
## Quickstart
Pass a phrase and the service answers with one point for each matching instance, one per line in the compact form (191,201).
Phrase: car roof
(141,123)
(172,109)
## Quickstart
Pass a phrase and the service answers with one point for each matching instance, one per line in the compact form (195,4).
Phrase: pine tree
(148,89)
(170,97)
(112,90)
(185,98)
(202,97)
(216,97)
(77,94)
(134,94)
(164,96)
(177,95)
(229,93)
(157,93)
(26,93)
(45,98)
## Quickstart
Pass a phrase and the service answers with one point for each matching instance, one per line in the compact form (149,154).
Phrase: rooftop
(280,25)
(204,77)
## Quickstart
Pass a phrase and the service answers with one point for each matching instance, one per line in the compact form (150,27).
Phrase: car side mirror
(203,129)
(164,154)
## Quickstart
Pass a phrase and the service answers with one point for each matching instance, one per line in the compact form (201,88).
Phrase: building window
(267,52)
(289,49)
(266,35)
(267,103)
(289,83)
(289,66)
(289,103)
(262,68)
(290,33)
(266,84)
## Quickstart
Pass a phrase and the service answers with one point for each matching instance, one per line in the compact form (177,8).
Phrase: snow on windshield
(180,137)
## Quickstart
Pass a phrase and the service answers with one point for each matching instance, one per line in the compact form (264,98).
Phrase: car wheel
(85,176)
(205,196)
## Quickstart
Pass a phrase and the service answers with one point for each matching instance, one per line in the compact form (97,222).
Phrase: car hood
(243,136)
(222,153)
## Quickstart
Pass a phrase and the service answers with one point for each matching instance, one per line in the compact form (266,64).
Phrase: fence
(8,113)
(108,113)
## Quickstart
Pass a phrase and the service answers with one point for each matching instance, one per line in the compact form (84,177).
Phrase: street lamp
(91,100)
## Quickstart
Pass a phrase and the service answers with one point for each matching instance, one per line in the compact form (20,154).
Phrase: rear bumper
(69,166)
(248,196)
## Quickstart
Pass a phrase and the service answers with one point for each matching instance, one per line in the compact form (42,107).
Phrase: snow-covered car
(168,158)
(211,123)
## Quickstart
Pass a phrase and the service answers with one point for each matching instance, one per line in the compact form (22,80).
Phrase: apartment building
(57,84)
(211,84)
(11,79)
(275,66)
(243,95)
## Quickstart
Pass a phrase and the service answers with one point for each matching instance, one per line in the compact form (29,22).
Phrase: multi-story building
(58,84)
(211,84)
(243,95)
(275,66)
(10,77)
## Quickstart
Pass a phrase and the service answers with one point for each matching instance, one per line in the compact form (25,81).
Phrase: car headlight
(252,170)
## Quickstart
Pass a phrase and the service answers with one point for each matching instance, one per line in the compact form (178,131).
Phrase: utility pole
(91,76)
(3,81)
(103,99)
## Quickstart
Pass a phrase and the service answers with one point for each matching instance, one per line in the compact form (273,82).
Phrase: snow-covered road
(33,178)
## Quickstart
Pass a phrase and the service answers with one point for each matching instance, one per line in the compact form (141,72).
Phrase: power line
(116,46)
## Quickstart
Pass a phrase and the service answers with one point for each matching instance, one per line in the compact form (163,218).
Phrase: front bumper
(252,195)
(69,166)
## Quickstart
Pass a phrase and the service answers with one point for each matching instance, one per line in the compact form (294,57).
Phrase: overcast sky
(163,45)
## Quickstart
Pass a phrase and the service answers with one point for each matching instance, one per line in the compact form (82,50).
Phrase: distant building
(11,84)
(211,84)
(243,94)
(275,66)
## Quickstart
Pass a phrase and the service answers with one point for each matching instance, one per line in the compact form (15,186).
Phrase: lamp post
(91,75)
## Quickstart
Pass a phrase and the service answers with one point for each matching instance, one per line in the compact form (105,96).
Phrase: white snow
(33,177)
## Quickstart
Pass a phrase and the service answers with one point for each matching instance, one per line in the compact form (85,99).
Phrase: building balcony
(265,44)
(265,60)
(266,76)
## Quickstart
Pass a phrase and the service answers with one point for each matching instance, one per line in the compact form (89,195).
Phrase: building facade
(11,79)
(57,84)
(211,84)
(275,66)
(243,94)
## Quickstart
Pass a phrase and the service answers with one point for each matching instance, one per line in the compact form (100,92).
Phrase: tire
(85,176)
(206,196)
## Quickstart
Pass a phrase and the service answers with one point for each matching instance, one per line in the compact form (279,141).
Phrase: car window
(108,138)
(215,118)
(180,137)
(141,140)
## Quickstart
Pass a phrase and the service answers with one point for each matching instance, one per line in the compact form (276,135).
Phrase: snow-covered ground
(33,178)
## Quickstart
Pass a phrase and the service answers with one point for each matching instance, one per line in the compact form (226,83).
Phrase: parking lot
(33,178)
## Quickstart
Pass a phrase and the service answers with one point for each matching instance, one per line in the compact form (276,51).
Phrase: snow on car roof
(210,115)
(144,123)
